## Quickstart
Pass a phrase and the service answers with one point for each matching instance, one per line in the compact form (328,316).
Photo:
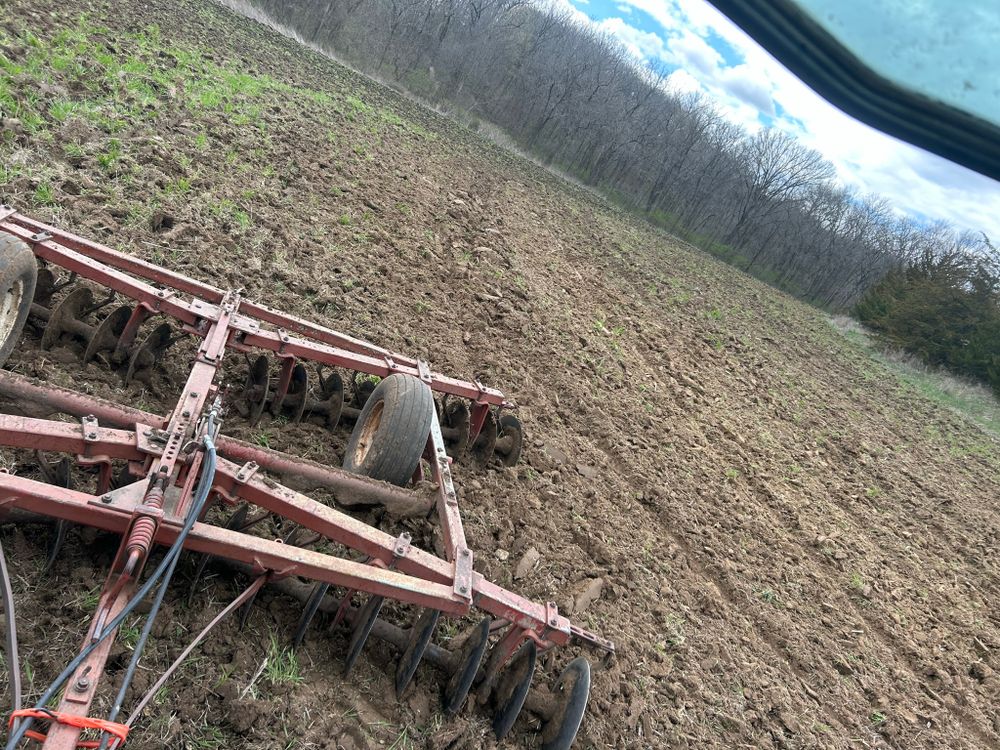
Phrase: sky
(703,51)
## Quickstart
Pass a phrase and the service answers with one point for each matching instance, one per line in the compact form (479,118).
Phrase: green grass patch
(44,195)
(971,400)
(282,664)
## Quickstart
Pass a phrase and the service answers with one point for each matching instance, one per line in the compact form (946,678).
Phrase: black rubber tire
(18,274)
(391,431)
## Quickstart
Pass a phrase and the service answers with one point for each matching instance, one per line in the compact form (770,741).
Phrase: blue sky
(703,51)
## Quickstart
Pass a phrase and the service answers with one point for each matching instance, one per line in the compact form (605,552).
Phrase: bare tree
(577,100)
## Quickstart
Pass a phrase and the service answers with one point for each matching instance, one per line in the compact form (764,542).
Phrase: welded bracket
(552,614)
(240,478)
(285,338)
(463,573)
(246,471)
(150,440)
(401,548)
(89,426)
(424,371)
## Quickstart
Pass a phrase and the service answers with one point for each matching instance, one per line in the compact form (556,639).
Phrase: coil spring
(142,534)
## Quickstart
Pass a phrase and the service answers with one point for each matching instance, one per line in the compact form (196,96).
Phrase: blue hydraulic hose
(168,562)
(158,599)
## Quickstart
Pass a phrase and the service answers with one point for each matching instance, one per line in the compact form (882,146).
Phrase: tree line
(574,98)
(943,306)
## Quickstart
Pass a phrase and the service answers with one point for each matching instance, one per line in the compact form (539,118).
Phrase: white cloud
(690,50)
(683,82)
(747,85)
(565,6)
(644,45)
(660,11)
(917,182)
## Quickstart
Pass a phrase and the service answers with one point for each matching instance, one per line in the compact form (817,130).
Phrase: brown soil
(796,549)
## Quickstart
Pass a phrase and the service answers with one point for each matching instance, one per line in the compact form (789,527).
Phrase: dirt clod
(527,563)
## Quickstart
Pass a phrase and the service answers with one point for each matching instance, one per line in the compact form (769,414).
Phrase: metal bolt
(194,394)
(553,622)
(186,413)
(463,589)
(400,550)
(105,499)
(92,436)
(82,684)
(465,553)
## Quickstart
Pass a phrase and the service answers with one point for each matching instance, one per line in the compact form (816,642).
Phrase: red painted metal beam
(20,389)
(68,437)
(78,254)
(447,506)
(157,300)
(115,259)
(285,344)
(349,489)
(264,554)
(82,685)
(210,293)
(329,522)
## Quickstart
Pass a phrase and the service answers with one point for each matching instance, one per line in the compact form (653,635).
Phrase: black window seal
(840,77)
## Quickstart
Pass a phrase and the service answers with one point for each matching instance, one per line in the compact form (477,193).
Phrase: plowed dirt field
(794,548)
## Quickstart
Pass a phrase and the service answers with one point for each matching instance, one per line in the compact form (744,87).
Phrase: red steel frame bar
(349,489)
(321,344)
(263,554)
(315,516)
(144,519)
(152,509)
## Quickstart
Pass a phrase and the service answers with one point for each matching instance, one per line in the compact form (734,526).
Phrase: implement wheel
(18,273)
(391,430)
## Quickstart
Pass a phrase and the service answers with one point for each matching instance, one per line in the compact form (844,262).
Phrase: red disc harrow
(156,476)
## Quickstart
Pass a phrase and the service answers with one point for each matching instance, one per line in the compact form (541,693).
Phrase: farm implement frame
(152,479)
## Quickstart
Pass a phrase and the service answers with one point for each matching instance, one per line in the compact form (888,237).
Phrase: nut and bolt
(463,589)
(82,684)
(105,499)
(92,436)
